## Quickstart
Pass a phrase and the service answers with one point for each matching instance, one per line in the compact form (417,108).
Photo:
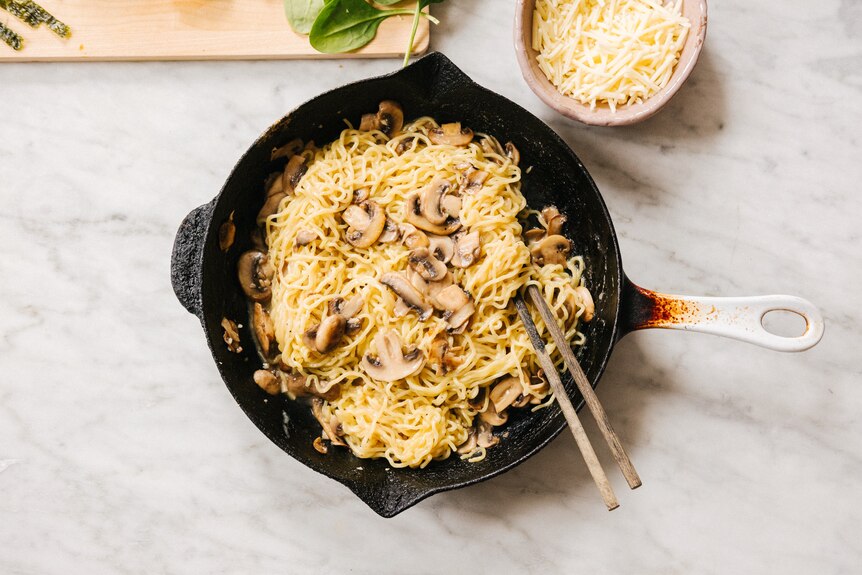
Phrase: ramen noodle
(381,290)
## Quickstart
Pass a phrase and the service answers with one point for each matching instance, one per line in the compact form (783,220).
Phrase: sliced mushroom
(288,150)
(521,401)
(587,301)
(274,184)
(231,335)
(296,385)
(331,427)
(551,250)
(453,298)
(270,207)
(485,437)
(347,309)
(430,290)
(390,233)
(431,198)
(320,446)
(226,234)
(329,393)
(389,119)
(360,195)
(309,337)
(293,172)
(426,265)
(473,180)
(549,213)
(417,281)
(554,220)
(478,402)
(471,444)
(264,330)
(413,238)
(459,307)
(305,237)
(459,320)
(417,218)
(444,357)
(275,192)
(467,249)
(451,205)
(405,290)
(255,275)
(391,363)
(443,247)
(490,145)
(267,381)
(491,417)
(401,309)
(365,221)
(356,217)
(405,144)
(534,235)
(325,336)
(368,122)
(512,153)
(571,306)
(476,179)
(451,134)
(439,348)
(541,385)
(505,392)
(353,325)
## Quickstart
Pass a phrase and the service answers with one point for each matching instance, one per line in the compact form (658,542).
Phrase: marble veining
(122,452)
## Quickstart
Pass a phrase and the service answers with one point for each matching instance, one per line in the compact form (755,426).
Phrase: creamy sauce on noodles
(425,416)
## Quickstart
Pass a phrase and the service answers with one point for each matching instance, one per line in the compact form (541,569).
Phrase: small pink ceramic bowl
(694,10)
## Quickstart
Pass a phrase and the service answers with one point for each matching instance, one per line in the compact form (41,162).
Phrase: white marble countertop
(122,452)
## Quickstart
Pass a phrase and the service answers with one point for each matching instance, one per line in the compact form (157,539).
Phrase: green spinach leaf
(345,25)
(302,13)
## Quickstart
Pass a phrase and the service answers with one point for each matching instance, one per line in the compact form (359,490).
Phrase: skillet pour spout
(204,277)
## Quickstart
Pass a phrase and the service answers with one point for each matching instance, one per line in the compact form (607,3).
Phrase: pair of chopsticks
(565,403)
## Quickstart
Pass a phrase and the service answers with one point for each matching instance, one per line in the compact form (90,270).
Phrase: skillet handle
(187,258)
(735,317)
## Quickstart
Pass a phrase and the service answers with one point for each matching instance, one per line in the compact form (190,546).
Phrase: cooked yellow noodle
(426,416)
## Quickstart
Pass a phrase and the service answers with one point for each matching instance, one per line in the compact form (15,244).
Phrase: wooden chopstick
(585,388)
(567,408)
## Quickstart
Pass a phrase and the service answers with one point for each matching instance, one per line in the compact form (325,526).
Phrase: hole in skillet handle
(784,323)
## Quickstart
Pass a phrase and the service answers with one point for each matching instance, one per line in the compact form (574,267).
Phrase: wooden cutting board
(186,30)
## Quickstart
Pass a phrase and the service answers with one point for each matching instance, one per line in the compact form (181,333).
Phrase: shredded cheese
(613,52)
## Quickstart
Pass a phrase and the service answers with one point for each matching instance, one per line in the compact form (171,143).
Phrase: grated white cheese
(614,52)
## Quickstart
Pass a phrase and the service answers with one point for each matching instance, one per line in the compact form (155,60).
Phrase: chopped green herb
(32,14)
(11,37)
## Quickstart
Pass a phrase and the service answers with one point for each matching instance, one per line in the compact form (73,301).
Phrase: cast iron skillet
(204,278)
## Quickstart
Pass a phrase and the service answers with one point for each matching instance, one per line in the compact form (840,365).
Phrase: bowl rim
(570,108)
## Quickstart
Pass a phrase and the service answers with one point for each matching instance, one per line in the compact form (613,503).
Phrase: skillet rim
(396,502)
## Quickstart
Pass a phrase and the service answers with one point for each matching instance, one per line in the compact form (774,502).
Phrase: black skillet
(204,278)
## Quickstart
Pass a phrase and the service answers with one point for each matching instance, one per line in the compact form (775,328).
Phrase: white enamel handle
(735,317)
